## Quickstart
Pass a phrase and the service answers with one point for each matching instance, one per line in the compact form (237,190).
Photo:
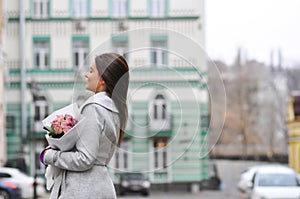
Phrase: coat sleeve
(88,145)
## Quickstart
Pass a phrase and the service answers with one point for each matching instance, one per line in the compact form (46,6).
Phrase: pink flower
(62,124)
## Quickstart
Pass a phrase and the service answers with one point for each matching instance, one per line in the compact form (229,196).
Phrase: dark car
(9,190)
(134,182)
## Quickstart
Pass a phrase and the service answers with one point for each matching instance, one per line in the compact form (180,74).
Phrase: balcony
(160,127)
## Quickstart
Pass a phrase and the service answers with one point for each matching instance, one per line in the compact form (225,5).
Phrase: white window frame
(160,108)
(158,8)
(160,119)
(160,155)
(41,49)
(82,48)
(41,8)
(122,156)
(80,8)
(119,8)
(158,53)
(43,107)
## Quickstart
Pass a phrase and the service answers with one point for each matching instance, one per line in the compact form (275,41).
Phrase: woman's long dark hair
(113,69)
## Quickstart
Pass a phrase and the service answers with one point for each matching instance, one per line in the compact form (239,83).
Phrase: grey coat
(84,172)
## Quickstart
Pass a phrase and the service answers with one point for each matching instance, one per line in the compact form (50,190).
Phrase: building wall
(293,125)
(2,91)
(183,86)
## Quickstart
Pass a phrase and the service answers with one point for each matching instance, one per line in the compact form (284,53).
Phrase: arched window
(159,119)
(159,108)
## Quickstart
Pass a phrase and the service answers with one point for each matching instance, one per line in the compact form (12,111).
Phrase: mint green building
(167,134)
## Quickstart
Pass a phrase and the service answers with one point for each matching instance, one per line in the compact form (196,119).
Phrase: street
(202,194)
(186,195)
(229,172)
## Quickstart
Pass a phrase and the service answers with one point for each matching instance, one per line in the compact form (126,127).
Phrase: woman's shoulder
(102,100)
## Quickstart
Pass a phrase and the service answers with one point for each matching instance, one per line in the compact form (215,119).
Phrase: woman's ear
(101,85)
(102,82)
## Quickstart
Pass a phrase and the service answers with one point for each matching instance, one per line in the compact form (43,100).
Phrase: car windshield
(133,176)
(275,180)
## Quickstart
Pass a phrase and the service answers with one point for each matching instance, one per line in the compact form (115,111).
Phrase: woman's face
(93,78)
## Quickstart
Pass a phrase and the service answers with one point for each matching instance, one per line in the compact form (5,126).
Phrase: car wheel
(4,194)
(146,193)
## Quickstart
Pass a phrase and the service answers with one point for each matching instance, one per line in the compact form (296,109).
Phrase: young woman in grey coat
(84,172)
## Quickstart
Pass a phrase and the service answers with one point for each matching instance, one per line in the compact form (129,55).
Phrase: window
(119,8)
(80,52)
(80,8)
(10,124)
(121,156)
(120,45)
(158,53)
(5,175)
(159,116)
(40,110)
(158,8)
(41,54)
(160,153)
(159,108)
(41,8)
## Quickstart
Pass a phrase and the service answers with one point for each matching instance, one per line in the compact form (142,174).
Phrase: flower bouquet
(62,134)
(62,127)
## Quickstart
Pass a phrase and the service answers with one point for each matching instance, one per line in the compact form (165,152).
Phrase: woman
(84,169)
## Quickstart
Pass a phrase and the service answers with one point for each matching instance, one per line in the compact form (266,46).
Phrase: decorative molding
(109,18)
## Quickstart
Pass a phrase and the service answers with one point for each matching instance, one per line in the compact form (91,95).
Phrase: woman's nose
(85,75)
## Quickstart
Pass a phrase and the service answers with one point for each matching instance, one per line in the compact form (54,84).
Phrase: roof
(275,169)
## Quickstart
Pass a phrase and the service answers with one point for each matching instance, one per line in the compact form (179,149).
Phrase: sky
(255,26)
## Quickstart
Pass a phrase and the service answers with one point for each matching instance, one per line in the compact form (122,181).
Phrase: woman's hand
(42,154)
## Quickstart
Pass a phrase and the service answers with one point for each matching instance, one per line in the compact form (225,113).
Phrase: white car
(274,182)
(247,176)
(25,182)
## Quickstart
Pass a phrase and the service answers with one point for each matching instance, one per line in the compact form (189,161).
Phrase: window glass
(41,54)
(121,155)
(119,8)
(158,8)
(80,52)
(10,123)
(158,53)
(80,8)
(160,153)
(41,8)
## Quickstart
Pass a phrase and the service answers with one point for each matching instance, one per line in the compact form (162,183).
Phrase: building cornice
(30,19)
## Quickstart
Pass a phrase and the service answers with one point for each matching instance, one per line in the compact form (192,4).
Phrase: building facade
(168,100)
(293,124)
(2,94)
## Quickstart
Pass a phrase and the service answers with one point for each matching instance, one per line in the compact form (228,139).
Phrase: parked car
(23,181)
(247,175)
(9,190)
(134,182)
(270,181)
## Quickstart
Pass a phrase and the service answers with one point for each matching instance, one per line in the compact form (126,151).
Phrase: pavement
(176,195)
(229,172)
